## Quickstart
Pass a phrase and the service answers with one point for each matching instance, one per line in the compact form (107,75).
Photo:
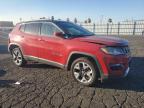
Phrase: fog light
(116,67)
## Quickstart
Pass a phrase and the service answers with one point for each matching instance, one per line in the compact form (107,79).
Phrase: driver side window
(48,29)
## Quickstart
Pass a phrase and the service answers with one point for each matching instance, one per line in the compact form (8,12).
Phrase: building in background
(6,27)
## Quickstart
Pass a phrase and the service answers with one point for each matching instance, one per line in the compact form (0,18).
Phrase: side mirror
(59,34)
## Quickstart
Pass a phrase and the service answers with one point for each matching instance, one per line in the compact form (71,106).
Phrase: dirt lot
(46,86)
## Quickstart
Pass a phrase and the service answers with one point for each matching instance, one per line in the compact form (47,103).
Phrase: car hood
(104,40)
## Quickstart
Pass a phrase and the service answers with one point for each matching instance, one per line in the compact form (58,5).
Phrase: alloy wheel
(83,72)
(17,56)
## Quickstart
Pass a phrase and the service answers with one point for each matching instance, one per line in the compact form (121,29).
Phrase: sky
(97,10)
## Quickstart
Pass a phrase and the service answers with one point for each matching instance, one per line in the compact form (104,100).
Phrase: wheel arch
(14,45)
(74,55)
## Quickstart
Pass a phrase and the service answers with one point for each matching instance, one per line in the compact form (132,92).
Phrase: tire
(84,71)
(17,57)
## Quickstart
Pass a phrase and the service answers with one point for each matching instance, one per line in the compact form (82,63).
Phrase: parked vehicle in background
(63,44)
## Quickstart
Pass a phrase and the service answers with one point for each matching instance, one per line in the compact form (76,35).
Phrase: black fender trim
(102,76)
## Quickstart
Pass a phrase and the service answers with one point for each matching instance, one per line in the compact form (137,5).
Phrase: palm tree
(52,18)
(68,19)
(111,23)
(89,20)
(85,21)
(75,20)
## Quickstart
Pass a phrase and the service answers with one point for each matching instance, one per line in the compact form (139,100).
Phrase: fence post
(107,29)
(118,28)
(134,28)
(94,28)
(142,33)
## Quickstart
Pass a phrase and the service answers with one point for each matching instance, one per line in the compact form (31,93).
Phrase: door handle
(39,39)
(21,36)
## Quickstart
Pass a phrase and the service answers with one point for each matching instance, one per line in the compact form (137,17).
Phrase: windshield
(72,30)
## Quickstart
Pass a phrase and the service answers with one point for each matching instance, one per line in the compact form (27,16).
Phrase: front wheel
(18,57)
(84,71)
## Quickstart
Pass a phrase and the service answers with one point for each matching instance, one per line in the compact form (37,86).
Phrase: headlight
(113,50)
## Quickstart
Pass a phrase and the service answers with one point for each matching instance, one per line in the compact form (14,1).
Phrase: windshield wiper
(81,35)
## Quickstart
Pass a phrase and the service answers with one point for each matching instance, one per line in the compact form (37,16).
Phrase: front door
(52,48)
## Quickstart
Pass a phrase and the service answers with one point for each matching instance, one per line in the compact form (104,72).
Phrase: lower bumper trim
(127,71)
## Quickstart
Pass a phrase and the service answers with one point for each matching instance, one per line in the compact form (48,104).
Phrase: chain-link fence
(6,27)
(121,28)
(4,31)
(4,34)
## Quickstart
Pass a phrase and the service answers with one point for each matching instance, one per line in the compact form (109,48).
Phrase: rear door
(31,36)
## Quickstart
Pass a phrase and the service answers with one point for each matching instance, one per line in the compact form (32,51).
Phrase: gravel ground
(44,86)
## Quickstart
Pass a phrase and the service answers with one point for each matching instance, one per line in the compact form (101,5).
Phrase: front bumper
(117,67)
(107,77)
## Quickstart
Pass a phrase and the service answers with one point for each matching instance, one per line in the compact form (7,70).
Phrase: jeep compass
(87,56)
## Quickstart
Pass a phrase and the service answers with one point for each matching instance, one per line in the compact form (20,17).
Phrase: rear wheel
(84,71)
(18,57)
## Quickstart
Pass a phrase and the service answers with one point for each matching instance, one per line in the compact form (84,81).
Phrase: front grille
(125,50)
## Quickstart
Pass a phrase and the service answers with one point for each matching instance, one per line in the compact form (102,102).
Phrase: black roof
(42,21)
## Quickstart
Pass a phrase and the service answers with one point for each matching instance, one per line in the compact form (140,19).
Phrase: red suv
(66,45)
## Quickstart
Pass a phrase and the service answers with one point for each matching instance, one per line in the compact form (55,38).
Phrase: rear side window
(32,28)
(48,29)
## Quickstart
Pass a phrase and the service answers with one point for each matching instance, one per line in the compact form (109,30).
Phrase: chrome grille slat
(126,50)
